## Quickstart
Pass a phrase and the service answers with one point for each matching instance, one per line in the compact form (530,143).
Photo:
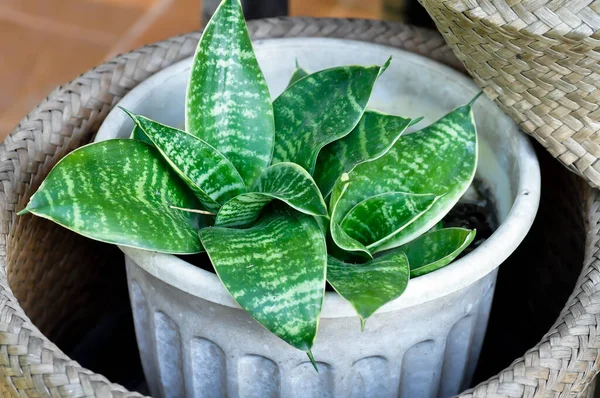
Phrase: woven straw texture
(538,59)
(51,279)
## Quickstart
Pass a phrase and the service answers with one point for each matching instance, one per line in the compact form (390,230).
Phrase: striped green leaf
(205,170)
(436,249)
(440,160)
(374,135)
(121,192)
(370,285)
(287,182)
(319,109)
(298,74)
(138,134)
(275,270)
(338,236)
(228,103)
(346,242)
(437,227)
(380,217)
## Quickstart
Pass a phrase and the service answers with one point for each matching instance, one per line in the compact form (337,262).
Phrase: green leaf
(440,160)
(346,242)
(438,226)
(380,217)
(287,182)
(436,249)
(319,109)
(374,135)
(205,170)
(298,74)
(138,134)
(370,285)
(339,237)
(121,192)
(275,270)
(228,103)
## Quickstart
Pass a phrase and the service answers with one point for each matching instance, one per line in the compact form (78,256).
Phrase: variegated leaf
(319,109)
(440,160)
(346,242)
(298,74)
(376,219)
(338,236)
(371,138)
(205,170)
(228,103)
(121,192)
(287,182)
(436,249)
(275,270)
(370,285)
(437,227)
(138,134)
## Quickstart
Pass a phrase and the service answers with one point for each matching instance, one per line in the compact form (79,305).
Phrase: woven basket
(538,59)
(54,284)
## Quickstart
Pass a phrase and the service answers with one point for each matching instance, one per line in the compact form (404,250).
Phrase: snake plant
(283,195)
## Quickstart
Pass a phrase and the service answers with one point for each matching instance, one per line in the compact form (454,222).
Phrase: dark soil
(479,214)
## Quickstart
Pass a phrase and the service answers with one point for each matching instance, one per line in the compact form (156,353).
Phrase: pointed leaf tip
(415,121)
(138,131)
(472,102)
(312,360)
(233,115)
(303,118)
(298,74)
(23,212)
(94,191)
(275,270)
(369,286)
(130,114)
(206,171)
(385,66)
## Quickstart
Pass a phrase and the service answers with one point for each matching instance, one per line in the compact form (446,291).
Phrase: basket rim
(540,18)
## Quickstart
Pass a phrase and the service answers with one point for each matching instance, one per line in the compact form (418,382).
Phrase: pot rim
(452,278)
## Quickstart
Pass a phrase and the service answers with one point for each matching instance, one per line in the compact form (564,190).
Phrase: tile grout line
(139,27)
(48,25)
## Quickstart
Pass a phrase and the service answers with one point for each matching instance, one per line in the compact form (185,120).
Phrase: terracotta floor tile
(46,56)
(127,3)
(38,62)
(16,68)
(336,8)
(178,17)
(5,129)
(183,15)
(106,18)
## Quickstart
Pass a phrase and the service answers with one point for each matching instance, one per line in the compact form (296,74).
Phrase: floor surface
(45,43)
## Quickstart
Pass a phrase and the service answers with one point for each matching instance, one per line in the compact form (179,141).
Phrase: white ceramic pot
(195,340)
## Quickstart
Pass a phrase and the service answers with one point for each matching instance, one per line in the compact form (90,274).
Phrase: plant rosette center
(283,195)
